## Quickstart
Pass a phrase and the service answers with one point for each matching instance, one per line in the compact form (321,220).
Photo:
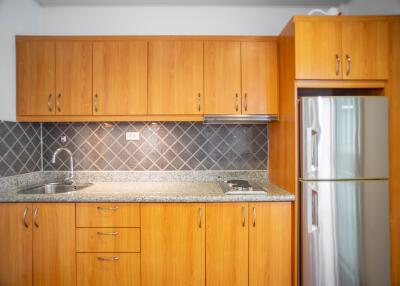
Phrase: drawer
(108,269)
(108,240)
(107,215)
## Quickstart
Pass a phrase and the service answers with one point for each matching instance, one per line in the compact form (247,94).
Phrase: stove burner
(239,185)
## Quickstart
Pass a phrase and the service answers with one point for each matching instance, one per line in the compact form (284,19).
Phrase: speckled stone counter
(185,188)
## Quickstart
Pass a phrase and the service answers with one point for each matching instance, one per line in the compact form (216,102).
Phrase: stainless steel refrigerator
(344,191)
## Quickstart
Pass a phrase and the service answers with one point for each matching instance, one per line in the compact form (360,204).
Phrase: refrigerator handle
(314,151)
(314,209)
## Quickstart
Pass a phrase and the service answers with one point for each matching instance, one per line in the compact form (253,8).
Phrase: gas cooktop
(241,187)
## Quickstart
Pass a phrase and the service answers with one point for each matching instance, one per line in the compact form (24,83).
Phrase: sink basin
(53,188)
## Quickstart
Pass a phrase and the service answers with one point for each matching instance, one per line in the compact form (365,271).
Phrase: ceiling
(191,2)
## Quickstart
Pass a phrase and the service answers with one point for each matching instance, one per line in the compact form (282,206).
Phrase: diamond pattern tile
(162,146)
(20,151)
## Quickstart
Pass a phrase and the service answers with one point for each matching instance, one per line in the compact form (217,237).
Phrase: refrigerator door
(344,137)
(345,233)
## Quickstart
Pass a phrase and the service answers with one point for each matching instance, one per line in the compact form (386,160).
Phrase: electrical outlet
(132,136)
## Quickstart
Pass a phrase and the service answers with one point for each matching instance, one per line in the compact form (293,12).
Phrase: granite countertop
(142,191)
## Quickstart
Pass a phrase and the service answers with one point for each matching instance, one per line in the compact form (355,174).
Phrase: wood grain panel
(270,237)
(121,272)
(120,77)
(107,215)
(74,78)
(175,77)
(36,71)
(367,44)
(317,44)
(227,246)
(108,239)
(15,245)
(173,244)
(222,77)
(54,260)
(259,64)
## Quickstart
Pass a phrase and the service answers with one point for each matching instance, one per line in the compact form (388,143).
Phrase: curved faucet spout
(71,162)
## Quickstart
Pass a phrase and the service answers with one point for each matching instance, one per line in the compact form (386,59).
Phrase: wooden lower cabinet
(270,247)
(16,244)
(173,244)
(227,244)
(108,269)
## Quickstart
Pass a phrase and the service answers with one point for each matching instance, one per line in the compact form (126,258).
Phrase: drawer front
(108,240)
(108,269)
(107,215)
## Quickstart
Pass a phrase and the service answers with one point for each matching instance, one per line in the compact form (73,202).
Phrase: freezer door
(345,233)
(344,137)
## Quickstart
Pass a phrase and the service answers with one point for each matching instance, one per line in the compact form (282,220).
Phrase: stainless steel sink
(53,188)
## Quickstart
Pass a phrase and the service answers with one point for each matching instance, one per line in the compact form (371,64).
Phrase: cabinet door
(36,77)
(173,244)
(365,50)
(54,260)
(175,77)
(16,244)
(222,80)
(120,78)
(318,50)
(260,78)
(227,244)
(270,244)
(74,78)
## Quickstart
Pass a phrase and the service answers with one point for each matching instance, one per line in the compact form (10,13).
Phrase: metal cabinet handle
(35,217)
(115,233)
(49,105)
(314,148)
(58,103)
(245,102)
(337,64)
(113,258)
(348,58)
(113,209)
(254,216)
(237,102)
(243,216)
(24,217)
(314,211)
(199,101)
(95,103)
(200,213)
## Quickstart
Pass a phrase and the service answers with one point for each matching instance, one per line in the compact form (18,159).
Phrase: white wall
(367,7)
(16,17)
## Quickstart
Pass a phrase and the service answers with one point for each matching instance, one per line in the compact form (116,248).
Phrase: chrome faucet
(71,162)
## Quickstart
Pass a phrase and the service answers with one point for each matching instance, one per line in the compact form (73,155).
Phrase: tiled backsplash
(20,149)
(162,146)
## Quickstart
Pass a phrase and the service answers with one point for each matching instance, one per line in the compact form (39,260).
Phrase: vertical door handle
(95,103)
(254,216)
(348,58)
(26,210)
(237,102)
(58,102)
(243,216)
(314,149)
(49,105)
(337,64)
(245,102)
(199,101)
(200,213)
(314,206)
(35,217)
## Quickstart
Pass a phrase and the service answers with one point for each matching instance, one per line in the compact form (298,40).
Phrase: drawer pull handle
(113,209)
(115,233)
(114,258)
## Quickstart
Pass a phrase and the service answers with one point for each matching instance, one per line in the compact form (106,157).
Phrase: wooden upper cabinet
(175,77)
(365,47)
(227,244)
(222,77)
(54,261)
(270,241)
(35,77)
(259,78)
(173,244)
(318,47)
(120,78)
(74,78)
(16,244)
